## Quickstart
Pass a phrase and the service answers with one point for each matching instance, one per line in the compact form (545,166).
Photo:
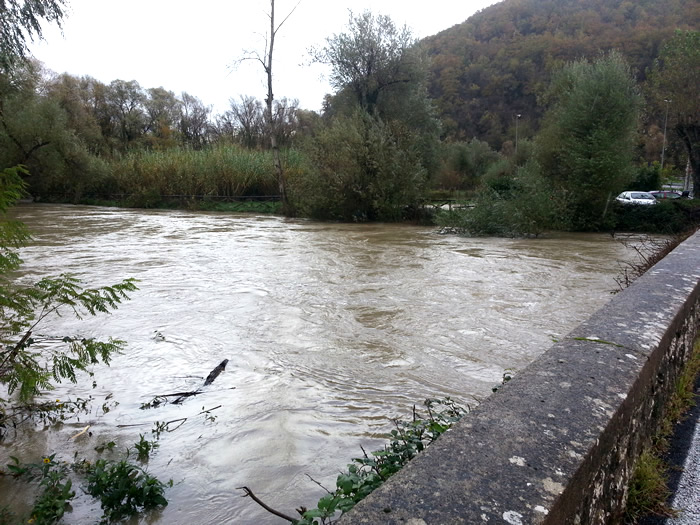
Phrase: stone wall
(557,444)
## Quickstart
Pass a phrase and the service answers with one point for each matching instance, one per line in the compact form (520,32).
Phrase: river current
(330,331)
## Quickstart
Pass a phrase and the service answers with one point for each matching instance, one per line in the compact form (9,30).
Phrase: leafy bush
(124,489)
(365,169)
(508,206)
(666,217)
(367,473)
(464,163)
(55,488)
(144,448)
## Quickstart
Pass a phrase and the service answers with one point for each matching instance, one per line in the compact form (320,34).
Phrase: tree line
(378,150)
(123,116)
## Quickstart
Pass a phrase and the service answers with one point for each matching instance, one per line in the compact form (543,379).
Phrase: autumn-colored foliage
(497,64)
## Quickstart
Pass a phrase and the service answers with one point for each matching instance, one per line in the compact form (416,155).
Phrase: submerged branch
(269,509)
(181,396)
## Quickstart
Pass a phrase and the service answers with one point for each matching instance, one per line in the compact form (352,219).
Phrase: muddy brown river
(330,330)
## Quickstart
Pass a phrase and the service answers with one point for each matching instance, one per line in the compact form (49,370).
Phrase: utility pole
(663,148)
(517,118)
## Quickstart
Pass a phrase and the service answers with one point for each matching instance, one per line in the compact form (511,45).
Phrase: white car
(636,197)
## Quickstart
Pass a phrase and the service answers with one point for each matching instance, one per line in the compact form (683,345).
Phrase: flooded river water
(330,330)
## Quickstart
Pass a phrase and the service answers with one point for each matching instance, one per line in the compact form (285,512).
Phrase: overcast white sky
(189,46)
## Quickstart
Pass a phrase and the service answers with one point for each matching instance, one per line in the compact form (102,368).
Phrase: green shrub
(523,205)
(666,217)
(55,489)
(464,163)
(367,473)
(124,489)
(364,169)
(648,178)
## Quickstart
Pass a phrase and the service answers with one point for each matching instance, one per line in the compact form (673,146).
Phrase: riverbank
(671,217)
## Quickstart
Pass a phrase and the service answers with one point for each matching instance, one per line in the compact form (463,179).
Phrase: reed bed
(222,170)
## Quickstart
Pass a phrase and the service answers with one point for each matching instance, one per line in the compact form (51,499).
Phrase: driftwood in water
(184,395)
(215,373)
(181,396)
(161,399)
(208,381)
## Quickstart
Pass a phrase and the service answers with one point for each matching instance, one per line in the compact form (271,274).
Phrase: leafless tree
(265,61)
(284,115)
(249,119)
(194,121)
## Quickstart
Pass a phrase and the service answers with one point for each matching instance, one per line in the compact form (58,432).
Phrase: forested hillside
(498,63)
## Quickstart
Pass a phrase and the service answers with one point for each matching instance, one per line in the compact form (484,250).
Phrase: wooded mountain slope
(496,65)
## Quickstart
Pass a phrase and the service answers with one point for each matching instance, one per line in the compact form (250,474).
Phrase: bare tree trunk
(271,121)
(689,133)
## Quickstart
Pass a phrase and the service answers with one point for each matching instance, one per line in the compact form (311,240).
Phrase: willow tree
(372,57)
(586,145)
(21,24)
(378,149)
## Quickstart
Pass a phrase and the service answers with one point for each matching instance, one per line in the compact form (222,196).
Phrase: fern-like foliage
(28,363)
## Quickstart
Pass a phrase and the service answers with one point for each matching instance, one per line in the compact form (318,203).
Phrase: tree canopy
(370,57)
(586,145)
(21,24)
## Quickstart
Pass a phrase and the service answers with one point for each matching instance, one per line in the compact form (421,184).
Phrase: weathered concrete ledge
(557,444)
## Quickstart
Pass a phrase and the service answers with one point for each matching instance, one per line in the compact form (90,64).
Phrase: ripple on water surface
(330,329)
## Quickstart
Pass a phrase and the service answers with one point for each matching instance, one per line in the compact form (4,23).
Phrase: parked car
(636,197)
(665,194)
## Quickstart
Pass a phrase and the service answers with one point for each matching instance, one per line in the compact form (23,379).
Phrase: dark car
(665,194)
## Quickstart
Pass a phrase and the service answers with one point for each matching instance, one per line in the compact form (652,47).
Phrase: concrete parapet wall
(558,443)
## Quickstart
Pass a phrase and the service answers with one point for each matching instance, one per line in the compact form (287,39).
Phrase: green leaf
(327,503)
(314,513)
(345,483)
